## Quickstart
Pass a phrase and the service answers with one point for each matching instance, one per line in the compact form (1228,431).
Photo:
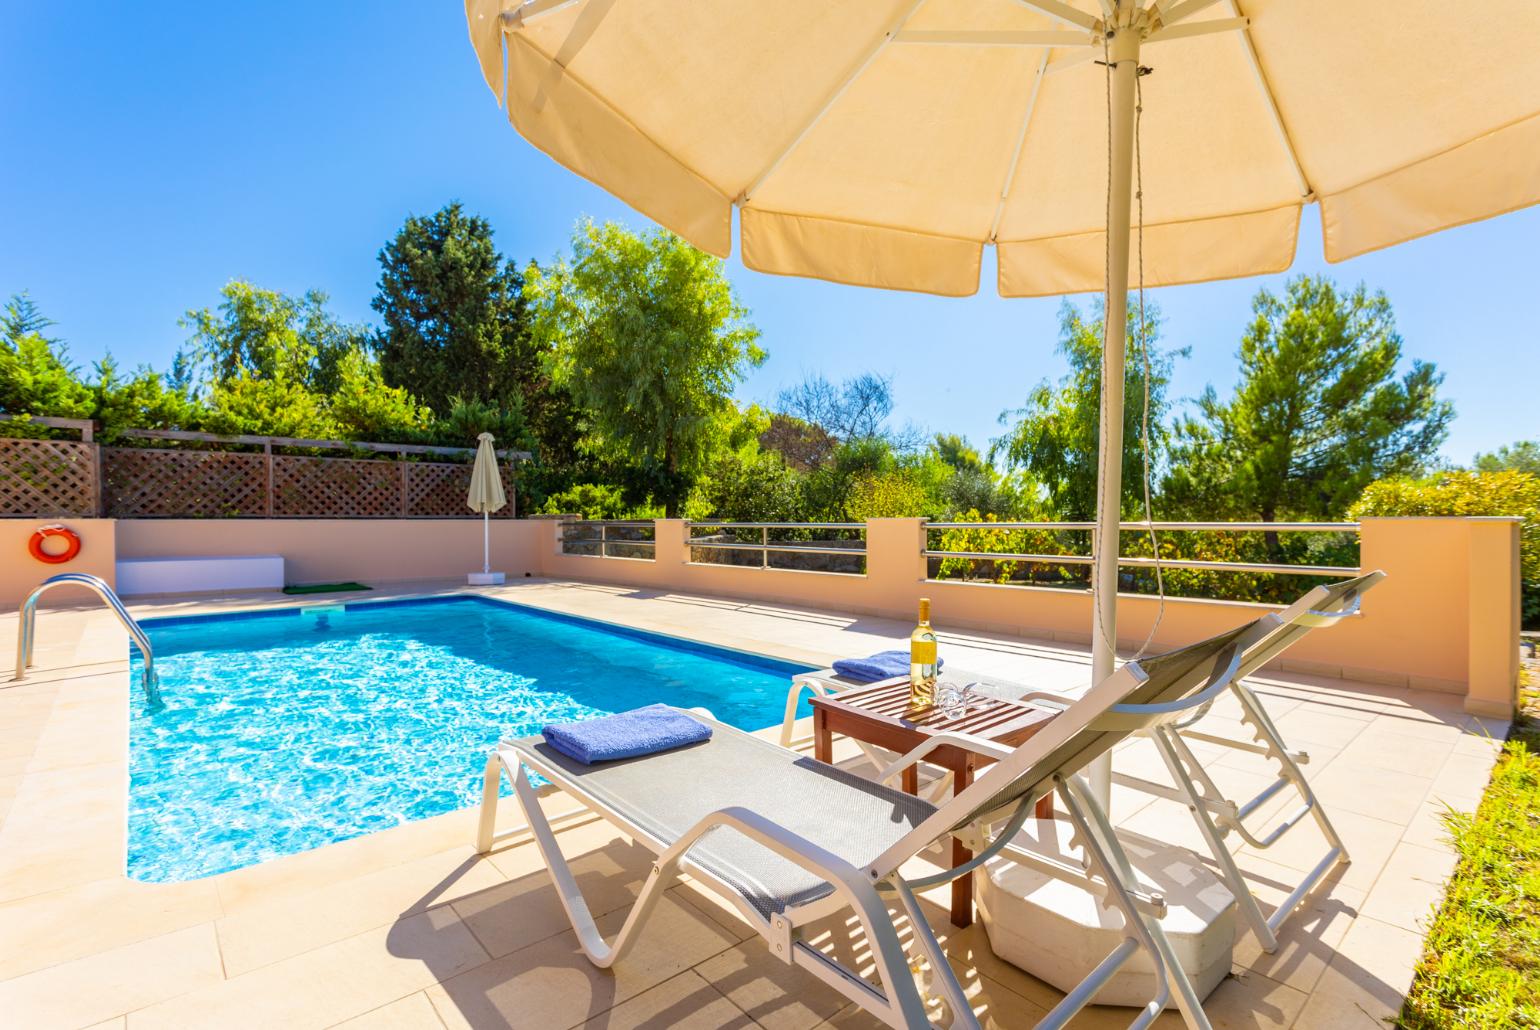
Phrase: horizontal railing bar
(786,548)
(777,525)
(609,540)
(611,522)
(1042,559)
(289,441)
(1165,563)
(1132,527)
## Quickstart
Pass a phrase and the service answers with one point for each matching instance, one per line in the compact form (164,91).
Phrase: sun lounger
(788,841)
(1217,816)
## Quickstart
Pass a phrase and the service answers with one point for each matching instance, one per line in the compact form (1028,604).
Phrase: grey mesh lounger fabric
(666,794)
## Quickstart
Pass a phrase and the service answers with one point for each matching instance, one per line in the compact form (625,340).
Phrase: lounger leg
(1173,754)
(940,968)
(1108,858)
(490,782)
(600,954)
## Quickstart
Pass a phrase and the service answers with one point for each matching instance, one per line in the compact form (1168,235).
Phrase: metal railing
(1338,571)
(838,548)
(621,534)
(26,630)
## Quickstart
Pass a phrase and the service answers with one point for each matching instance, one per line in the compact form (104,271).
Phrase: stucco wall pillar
(1495,612)
(895,564)
(671,551)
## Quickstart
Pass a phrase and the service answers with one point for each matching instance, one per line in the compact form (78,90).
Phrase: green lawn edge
(1480,965)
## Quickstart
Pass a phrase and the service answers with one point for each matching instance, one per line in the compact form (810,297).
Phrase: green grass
(1481,961)
(325,588)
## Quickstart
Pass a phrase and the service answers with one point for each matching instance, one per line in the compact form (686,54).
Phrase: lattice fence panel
(336,488)
(47,478)
(142,482)
(438,489)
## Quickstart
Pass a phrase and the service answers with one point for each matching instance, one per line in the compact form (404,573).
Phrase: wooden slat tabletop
(988,716)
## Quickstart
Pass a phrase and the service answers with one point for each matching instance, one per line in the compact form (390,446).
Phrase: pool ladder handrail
(26,631)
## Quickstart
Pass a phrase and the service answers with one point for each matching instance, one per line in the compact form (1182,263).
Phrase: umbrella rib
(1021,139)
(855,73)
(1060,11)
(1305,189)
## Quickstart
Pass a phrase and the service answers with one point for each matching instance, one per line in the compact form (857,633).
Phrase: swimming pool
(287,729)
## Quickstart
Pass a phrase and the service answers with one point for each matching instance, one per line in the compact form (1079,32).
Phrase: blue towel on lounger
(641,731)
(883,665)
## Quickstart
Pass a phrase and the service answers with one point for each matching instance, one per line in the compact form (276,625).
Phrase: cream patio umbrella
(886,142)
(486,496)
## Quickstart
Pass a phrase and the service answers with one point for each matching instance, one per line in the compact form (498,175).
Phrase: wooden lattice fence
(69,479)
(47,478)
(142,482)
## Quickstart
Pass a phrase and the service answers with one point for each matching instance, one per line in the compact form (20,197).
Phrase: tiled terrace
(410,928)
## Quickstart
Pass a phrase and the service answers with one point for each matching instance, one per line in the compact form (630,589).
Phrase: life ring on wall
(72,544)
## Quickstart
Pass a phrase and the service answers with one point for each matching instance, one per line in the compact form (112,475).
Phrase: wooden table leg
(911,777)
(1044,807)
(962,887)
(823,740)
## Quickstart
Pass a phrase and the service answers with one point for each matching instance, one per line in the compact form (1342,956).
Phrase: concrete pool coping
(408,927)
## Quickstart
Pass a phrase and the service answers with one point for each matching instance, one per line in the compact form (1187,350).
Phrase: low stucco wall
(314,550)
(1446,618)
(332,550)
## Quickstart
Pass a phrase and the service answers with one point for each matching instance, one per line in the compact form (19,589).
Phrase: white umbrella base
(485,579)
(1058,932)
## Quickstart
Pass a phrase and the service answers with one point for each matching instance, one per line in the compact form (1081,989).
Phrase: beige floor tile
(1308,725)
(686,1002)
(414,1012)
(1398,752)
(1251,1000)
(1391,795)
(115,1023)
(1369,843)
(1429,828)
(776,995)
(109,983)
(518,912)
(291,923)
(552,983)
(1410,887)
(59,926)
(1366,980)
(330,984)
(1461,780)
(716,907)
(1305,940)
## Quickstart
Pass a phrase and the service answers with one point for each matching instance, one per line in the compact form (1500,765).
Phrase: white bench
(139,576)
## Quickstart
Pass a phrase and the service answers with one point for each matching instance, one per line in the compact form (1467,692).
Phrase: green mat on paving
(325,588)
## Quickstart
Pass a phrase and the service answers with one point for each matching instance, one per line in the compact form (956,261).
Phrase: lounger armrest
(966,741)
(772,835)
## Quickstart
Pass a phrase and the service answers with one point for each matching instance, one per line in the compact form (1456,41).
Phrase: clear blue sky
(153,152)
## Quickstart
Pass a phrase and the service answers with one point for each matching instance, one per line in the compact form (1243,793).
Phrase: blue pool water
(285,730)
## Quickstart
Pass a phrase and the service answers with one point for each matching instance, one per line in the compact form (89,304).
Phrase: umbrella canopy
(486,493)
(885,142)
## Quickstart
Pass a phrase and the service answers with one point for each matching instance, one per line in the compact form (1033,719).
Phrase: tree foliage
(856,409)
(1055,436)
(271,364)
(646,333)
(1523,456)
(1319,413)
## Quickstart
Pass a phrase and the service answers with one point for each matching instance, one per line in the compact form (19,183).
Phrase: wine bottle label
(922,652)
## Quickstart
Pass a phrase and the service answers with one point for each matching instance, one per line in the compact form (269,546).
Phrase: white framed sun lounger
(787,841)
(1217,816)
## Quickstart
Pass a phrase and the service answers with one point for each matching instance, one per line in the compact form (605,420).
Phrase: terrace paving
(409,927)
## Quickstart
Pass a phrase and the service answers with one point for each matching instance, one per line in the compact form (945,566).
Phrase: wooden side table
(880,714)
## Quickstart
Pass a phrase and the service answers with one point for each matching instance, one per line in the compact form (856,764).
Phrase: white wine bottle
(922,660)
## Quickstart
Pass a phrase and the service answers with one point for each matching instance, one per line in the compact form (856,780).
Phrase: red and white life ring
(71,544)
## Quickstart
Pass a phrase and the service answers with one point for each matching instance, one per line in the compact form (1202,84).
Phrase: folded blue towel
(641,731)
(883,665)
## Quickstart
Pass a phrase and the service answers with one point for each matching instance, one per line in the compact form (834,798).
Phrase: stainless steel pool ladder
(26,631)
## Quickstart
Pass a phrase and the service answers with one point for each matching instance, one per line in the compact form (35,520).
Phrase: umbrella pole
(1124,47)
(486,543)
